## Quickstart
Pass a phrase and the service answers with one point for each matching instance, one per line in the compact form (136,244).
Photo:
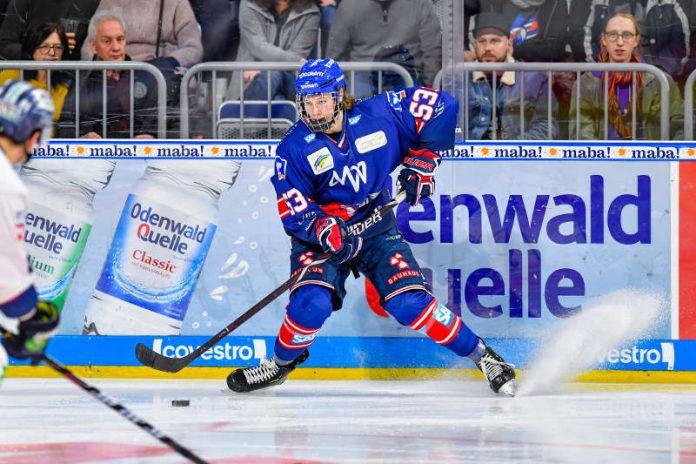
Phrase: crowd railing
(194,76)
(104,67)
(465,69)
(689,106)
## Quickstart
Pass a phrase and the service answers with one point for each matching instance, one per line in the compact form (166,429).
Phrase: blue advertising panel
(510,246)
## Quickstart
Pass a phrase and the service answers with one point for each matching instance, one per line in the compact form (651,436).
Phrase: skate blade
(509,388)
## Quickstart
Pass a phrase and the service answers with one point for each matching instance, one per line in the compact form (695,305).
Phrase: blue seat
(257,123)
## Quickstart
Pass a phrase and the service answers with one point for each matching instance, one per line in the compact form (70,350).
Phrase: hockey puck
(180,403)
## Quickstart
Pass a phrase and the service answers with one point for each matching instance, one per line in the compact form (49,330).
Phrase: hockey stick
(160,362)
(122,410)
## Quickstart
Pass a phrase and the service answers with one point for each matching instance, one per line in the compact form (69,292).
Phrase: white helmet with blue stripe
(24,110)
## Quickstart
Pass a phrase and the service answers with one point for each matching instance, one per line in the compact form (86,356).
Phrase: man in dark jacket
(108,42)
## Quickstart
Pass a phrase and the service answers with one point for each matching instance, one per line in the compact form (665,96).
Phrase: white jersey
(16,279)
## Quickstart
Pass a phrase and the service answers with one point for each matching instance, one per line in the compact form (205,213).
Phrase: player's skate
(266,374)
(500,375)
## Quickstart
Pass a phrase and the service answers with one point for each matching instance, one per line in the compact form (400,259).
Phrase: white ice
(427,421)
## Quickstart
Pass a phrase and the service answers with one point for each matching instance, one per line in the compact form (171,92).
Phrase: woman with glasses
(633,98)
(45,42)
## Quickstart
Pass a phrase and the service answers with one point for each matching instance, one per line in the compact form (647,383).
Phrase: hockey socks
(309,307)
(423,313)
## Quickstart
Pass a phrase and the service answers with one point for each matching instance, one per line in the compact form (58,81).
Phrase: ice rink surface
(428,421)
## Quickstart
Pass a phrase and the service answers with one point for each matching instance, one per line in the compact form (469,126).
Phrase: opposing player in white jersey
(26,119)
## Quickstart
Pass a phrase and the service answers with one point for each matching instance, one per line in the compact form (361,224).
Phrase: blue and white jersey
(316,176)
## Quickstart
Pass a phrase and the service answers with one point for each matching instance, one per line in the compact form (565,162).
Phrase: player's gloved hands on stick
(33,333)
(334,238)
(416,177)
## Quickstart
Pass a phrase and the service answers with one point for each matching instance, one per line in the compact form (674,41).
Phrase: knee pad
(422,312)
(406,306)
(309,307)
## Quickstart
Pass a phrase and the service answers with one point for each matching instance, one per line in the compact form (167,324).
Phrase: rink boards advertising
(518,237)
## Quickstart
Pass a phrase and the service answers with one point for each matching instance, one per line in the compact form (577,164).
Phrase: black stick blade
(149,358)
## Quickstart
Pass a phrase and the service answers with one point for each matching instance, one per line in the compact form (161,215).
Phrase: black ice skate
(500,375)
(266,374)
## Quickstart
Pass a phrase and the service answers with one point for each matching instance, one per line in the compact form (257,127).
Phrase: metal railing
(577,68)
(689,106)
(103,66)
(349,68)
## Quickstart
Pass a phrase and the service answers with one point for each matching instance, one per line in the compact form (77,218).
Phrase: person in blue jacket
(331,172)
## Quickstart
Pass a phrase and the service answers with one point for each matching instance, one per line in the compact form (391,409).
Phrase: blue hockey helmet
(25,109)
(318,77)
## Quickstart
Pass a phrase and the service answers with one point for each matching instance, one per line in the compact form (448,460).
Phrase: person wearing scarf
(627,92)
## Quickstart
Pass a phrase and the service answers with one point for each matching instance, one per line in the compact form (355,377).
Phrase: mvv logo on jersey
(354,175)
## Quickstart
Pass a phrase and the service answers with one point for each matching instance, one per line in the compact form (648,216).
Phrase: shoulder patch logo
(321,161)
(354,120)
(371,141)
(280,166)
(310,137)
(395,99)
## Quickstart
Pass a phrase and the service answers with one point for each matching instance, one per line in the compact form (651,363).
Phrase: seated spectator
(163,33)
(493,45)
(179,35)
(273,30)
(619,44)
(25,15)
(362,27)
(45,42)
(664,26)
(539,30)
(107,39)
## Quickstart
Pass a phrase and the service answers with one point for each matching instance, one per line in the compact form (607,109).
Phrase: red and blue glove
(334,238)
(416,177)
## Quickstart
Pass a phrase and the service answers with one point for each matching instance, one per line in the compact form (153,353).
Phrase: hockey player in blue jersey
(331,171)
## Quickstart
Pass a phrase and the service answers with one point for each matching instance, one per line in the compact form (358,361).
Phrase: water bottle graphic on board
(59,218)
(159,248)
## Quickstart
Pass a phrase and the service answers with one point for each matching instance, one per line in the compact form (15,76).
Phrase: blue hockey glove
(416,177)
(334,238)
(33,333)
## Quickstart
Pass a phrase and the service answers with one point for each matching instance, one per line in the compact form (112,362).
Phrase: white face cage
(324,124)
